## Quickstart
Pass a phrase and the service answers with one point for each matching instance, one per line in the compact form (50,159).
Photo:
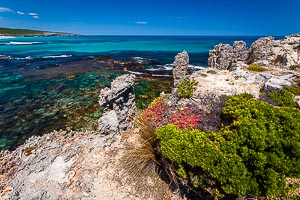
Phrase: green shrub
(283,98)
(294,67)
(256,68)
(186,88)
(293,89)
(251,156)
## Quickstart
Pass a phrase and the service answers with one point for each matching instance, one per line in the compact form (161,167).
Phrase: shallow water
(51,83)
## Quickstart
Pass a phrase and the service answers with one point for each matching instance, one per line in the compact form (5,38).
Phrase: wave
(196,67)
(23,43)
(58,56)
(5,57)
(6,37)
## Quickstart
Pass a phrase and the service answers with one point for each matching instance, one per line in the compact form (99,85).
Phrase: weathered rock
(264,51)
(240,53)
(75,165)
(119,105)
(180,67)
(276,84)
(109,122)
(220,57)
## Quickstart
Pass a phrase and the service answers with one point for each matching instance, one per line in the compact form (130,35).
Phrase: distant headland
(28,32)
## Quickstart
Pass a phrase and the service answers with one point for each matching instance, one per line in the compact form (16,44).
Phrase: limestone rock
(220,57)
(119,105)
(180,67)
(109,122)
(276,84)
(265,51)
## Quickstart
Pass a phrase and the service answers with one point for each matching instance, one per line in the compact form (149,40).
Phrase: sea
(52,83)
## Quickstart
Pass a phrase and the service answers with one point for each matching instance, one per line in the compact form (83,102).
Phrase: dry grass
(139,158)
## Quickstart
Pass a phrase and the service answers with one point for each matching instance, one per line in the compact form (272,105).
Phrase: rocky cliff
(265,51)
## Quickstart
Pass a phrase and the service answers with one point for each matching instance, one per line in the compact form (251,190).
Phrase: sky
(154,17)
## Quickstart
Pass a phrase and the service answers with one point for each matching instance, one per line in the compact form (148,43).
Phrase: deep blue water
(51,83)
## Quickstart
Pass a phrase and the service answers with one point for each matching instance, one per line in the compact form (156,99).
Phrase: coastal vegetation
(256,68)
(28,32)
(186,88)
(294,67)
(252,154)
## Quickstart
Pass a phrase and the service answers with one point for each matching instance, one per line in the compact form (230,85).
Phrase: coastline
(61,159)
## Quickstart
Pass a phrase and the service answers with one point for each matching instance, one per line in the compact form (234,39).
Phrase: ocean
(52,83)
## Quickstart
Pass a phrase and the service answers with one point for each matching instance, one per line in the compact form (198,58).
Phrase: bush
(294,67)
(283,97)
(186,88)
(256,68)
(293,89)
(251,156)
(156,112)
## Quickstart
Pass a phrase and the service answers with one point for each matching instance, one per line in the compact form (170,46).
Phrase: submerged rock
(119,105)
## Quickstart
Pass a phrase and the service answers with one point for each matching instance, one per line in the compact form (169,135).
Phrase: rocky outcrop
(74,165)
(265,51)
(224,56)
(180,67)
(118,104)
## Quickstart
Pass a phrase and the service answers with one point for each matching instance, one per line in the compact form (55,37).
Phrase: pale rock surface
(75,165)
(180,67)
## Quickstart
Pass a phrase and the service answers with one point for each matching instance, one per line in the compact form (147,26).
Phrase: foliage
(139,158)
(185,118)
(251,156)
(186,88)
(293,89)
(284,97)
(294,67)
(256,68)
(156,112)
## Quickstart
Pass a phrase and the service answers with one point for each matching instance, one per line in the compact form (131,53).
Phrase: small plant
(186,118)
(186,88)
(139,158)
(293,89)
(294,67)
(256,68)
(211,72)
(283,98)
(156,112)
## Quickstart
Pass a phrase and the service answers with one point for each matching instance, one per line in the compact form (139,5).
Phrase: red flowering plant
(156,113)
(185,118)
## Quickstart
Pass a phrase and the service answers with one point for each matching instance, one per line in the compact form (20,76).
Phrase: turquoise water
(49,83)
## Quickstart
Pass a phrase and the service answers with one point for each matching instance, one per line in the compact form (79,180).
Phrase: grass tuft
(256,68)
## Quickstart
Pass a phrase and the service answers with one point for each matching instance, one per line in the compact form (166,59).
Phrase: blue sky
(154,17)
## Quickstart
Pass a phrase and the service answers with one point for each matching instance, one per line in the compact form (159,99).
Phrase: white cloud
(35,17)
(32,14)
(20,13)
(4,9)
(141,22)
